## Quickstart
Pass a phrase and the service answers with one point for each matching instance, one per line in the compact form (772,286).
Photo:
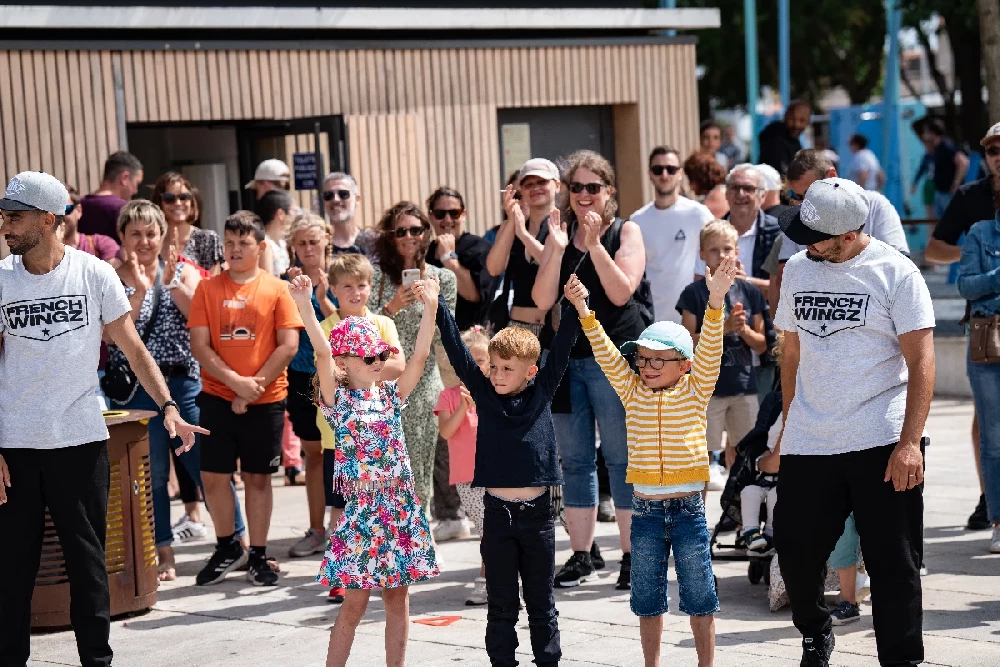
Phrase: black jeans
(519,538)
(815,495)
(73,483)
(445,503)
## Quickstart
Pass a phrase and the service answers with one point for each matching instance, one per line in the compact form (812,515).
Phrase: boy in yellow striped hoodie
(665,409)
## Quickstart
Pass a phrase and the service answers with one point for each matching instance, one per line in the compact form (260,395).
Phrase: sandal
(166,572)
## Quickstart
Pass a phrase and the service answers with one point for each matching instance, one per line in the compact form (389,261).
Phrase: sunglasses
(453,213)
(170,197)
(591,188)
(993,151)
(400,232)
(381,356)
(656,363)
(657,170)
(794,196)
(342,195)
(745,189)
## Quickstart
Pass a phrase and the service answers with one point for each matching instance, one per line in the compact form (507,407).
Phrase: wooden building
(403,99)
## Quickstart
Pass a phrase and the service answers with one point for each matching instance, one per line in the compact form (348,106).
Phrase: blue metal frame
(753,74)
(784,53)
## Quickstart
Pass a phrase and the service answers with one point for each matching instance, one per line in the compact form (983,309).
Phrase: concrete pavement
(235,624)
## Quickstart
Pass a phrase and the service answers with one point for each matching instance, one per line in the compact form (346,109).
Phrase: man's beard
(666,192)
(23,244)
(342,214)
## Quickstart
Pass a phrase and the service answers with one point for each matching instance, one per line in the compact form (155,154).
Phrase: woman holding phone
(404,236)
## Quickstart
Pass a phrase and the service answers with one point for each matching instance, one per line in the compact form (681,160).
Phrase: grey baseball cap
(35,191)
(831,207)
(539,166)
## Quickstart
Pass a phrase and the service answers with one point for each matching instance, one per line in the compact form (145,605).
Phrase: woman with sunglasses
(176,197)
(528,203)
(462,253)
(404,236)
(608,256)
(708,182)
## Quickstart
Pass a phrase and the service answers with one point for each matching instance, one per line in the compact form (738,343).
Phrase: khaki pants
(735,415)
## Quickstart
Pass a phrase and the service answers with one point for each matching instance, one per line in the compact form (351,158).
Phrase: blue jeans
(845,554)
(592,396)
(183,391)
(658,525)
(985,381)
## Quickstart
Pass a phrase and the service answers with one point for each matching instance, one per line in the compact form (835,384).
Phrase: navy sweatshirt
(516,442)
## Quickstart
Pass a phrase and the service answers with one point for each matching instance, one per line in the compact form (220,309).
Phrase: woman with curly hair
(404,237)
(708,182)
(179,201)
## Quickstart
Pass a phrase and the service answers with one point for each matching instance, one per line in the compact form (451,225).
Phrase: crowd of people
(378,366)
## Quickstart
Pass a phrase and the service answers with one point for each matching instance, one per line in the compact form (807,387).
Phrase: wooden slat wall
(447,98)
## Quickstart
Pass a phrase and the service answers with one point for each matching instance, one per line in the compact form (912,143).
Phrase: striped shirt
(666,428)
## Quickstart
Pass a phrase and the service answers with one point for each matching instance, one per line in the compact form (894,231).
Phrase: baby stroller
(743,472)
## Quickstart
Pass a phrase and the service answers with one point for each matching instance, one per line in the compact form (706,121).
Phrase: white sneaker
(863,587)
(478,595)
(995,542)
(452,529)
(187,530)
(313,542)
(716,477)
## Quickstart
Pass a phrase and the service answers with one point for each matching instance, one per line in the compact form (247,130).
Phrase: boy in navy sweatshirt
(516,461)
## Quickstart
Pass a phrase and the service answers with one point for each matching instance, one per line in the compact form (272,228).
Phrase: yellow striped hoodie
(666,428)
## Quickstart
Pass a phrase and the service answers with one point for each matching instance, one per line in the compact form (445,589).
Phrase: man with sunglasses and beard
(670,226)
(340,203)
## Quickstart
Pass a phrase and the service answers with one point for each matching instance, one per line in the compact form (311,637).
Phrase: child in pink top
(458,422)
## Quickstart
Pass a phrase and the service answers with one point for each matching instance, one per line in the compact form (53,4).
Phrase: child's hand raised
(720,281)
(427,290)
(301,289)
(577,295)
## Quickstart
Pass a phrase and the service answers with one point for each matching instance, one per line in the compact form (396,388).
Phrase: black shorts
(332,499)
(301,409)
(253,438)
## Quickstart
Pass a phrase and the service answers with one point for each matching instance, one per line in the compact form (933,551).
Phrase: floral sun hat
(358,337)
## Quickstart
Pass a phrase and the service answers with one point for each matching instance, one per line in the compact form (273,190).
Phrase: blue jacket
(979,272)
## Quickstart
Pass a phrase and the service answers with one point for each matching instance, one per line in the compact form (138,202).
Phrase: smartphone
(410,276)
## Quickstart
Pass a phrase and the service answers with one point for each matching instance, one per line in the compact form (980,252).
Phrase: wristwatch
(175,283)
(168,404)
(450,255)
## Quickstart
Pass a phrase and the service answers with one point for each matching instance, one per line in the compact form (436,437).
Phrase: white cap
(539,166)
(270,170)
(991,134)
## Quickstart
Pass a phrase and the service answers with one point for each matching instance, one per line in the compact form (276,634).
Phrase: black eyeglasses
(400,232)
(656,363)
(170,197)
(381,356)
(657,170)
(591,188)
(342,195)
(794,196)
(745,189)
(993,151)
(454,213)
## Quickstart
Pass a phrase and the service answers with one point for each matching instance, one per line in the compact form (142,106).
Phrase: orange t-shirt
(243,321)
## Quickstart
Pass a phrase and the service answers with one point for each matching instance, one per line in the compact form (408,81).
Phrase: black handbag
(119,382)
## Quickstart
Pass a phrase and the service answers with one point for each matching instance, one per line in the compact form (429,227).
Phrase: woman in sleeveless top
(178,200)
(141,226)
(608,255)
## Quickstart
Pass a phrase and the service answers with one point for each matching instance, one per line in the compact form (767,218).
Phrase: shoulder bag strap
(148,331)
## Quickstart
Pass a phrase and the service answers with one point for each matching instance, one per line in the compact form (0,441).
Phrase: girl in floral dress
(383,540)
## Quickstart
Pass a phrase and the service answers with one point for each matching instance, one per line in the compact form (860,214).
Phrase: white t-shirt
(865,160)
(51,329)
(882,223)
(745,244)
(850,388)
(671,237)
(279,250)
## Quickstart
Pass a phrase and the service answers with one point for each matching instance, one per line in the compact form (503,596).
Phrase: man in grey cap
(55,301)
(852,308)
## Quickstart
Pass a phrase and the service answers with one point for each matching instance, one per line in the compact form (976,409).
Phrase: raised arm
(458,354)
(545,292)
(301,290)
(427,290)
(620,275)
(708,354)
(607,355)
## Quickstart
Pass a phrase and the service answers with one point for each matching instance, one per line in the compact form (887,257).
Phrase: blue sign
(304,166)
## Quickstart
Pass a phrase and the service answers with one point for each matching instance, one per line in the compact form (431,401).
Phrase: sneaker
(995,542)
(978,520)
(606,510)
(923,570)
(336,595)
(596,559)
(452,529)
(625,576)
(716,477)
(223,561)
(578,569)
(478,595)
(261,574)
(862,587)
(845,613)
(816,651)
(314,542)
(755,540)
(186,530)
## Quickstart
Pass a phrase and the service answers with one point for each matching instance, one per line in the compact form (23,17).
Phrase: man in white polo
(857,374)
(54,303)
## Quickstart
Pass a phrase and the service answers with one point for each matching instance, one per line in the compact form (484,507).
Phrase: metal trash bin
(131,547)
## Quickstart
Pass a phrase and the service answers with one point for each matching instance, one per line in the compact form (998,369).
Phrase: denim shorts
(658,525)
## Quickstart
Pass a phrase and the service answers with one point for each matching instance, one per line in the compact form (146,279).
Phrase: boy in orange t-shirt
(244,332)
